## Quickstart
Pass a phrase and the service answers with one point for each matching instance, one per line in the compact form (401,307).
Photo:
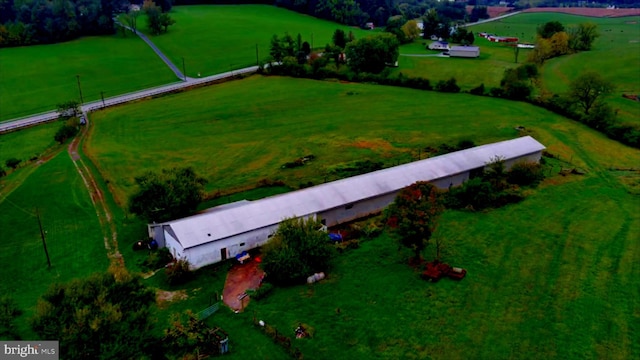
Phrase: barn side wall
(211,253)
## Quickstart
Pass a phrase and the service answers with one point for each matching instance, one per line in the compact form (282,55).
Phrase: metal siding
(228,222)
(174,246)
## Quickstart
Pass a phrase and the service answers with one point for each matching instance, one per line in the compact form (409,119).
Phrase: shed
(226,231)
(464,51)
(439,45)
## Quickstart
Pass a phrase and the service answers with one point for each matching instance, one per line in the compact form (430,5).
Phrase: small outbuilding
(464,51)
(226,231)
(439,45)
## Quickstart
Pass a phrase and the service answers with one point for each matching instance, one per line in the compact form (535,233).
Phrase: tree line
(29,22)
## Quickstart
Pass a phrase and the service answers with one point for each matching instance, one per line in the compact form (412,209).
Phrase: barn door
(223,254)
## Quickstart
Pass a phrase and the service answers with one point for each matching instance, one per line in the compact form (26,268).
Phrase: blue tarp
(335,237)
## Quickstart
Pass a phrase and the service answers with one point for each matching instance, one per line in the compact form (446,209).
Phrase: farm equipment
(435,270)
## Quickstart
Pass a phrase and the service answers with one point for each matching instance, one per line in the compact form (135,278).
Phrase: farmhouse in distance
(228,230)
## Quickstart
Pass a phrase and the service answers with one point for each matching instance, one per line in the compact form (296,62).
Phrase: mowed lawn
(71,228)
(214,39)
(615,54)
(35,79)
(237,133)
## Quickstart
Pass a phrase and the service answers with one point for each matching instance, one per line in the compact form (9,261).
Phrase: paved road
(153,46)
(120,99)
(492,19)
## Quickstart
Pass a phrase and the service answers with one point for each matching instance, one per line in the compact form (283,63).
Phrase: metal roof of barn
(465,48)
(233,220)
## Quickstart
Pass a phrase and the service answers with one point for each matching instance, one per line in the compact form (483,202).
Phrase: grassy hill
(37,78)
(215,39)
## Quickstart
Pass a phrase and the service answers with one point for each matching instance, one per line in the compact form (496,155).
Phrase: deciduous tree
(297,249)
(105,316)
(413,216)
(170,194)
(371,54)
(588,88)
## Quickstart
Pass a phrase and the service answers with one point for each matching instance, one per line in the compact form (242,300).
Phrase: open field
(542,282)
(615,54)
(37,78)
(72,231)
(558,266)
(27,143)
(240,132)
(217,38)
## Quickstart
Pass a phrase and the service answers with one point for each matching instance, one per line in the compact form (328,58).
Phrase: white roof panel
(232,220)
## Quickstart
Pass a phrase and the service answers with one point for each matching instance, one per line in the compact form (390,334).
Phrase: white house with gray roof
(225,231)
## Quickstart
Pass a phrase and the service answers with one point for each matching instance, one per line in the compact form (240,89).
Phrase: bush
(179,272)
(13,163)
(525,174)
(348,245)
(449,86)
(157,259)
(3,172)
(479,90)
(261,292)
(64,133)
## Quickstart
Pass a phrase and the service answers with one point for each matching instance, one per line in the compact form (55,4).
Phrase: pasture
(615,54)
(221,38)
(72,231)
(240,132)
(37,78)
(28,143)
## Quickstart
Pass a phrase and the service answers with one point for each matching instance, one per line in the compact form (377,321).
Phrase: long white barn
(227,230)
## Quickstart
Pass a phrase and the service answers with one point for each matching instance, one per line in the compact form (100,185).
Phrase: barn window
(350,206)
(241,244)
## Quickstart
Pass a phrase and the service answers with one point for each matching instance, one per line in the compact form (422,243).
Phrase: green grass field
(27,143)
(615,54)
(37,78)
(250,128)
(216,39)
(73,235)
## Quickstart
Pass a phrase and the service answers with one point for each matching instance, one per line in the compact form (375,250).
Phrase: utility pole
(80,90)
(102,96)
(184,71)
(44,242)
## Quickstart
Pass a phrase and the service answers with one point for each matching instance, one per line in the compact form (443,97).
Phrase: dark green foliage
(582,36)
(477,13)
(373,53)
(413,215)
(296,251)
(463,36)
(516,83)
(9,311)
(588,88)
(105,316)
(167,195)
(547,30)
(3,172)
(189,338)
(347,245)
(261,292)
(465,144)
(40,22)
(157,259)
(340,39)
(525,174)
(478,90)
(394,26)
(158,20)
(12,163)
(69,109)
(449,86)
(179,272)
(65,132)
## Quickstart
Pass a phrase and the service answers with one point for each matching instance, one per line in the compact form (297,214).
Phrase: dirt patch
(165,298)
(240,278)
(374,144)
